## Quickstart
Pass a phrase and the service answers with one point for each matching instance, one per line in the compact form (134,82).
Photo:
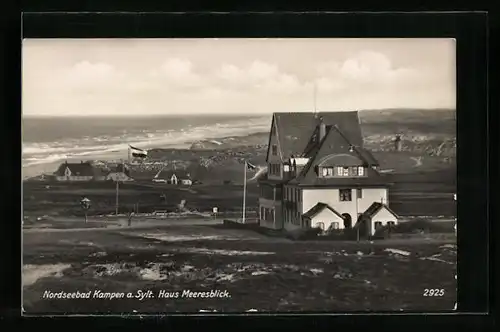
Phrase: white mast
(244,190)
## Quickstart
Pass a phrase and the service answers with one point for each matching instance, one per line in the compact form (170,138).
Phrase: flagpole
(244,189)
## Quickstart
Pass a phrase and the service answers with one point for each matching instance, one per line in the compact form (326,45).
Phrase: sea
(47,141)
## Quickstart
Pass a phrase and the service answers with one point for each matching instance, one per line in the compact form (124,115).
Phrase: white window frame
(286,168)
(345,171)
(340,170)
(335,225)
(361,171)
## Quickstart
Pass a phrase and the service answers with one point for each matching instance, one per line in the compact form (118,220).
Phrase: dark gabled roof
(318,208)
(367,156)
(376,207)
(334,142)
(294,130)
(77,169)
(314,144)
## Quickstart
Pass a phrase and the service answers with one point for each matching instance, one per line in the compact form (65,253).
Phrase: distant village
(117,171)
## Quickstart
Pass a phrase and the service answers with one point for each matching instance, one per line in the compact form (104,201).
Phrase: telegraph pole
(117,197)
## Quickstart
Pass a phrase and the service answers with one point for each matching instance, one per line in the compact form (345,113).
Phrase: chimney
(322,129)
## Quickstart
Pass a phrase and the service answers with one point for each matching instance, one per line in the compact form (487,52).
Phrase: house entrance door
(347,220)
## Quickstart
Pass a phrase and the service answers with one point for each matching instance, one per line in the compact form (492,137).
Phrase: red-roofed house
(318,170)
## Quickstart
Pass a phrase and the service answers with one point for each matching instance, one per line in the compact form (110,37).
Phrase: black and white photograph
(233,175)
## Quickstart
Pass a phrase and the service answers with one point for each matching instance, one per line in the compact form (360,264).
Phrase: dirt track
(258,272)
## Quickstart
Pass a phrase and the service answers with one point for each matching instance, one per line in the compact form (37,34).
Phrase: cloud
(86,74)
(178,73)
(363,68)
(258,75)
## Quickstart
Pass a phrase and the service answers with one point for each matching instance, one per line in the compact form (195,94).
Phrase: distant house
(319,174)
(119,173)
(376,216)
(82,171)
(175,177)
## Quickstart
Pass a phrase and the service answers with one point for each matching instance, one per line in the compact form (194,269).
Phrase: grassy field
(257,272)
(63,198)
(428,194)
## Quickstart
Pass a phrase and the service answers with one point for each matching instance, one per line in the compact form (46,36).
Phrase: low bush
(422,226)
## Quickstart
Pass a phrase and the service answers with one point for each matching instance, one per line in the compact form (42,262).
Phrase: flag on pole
(138,153)
(250,166)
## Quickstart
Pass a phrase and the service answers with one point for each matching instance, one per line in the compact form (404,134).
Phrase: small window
(345,195)
(335,225)
(354,171)
(359,193)
(325,171)
(275,150)
(330,171)
(340,171)
(286,168)
(391,223)
(361,171)
(378,224)
(320,225)
(346,171)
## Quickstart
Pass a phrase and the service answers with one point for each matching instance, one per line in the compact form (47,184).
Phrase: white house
(323,216)
(175,177)
(376,216)
(318,172)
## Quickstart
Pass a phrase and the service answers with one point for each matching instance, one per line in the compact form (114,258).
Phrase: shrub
(415,226)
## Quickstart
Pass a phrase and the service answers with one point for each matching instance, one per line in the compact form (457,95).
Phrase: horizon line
(228,114)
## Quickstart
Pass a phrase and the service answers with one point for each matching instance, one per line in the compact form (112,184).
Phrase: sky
(130,77)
